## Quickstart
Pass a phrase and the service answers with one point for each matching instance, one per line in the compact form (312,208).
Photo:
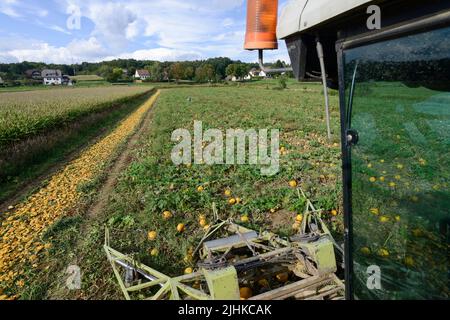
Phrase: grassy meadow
(88,77)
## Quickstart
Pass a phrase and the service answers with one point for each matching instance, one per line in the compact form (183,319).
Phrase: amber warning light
(262,18)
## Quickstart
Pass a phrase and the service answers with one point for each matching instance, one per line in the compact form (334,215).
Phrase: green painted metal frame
(171,286)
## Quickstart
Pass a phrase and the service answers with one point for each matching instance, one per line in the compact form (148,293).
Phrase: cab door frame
(436,21)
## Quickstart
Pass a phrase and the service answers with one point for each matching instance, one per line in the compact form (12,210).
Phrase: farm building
(66,80)
(34,74)
(232,78)
(257,73)
(52,77)
(142,74)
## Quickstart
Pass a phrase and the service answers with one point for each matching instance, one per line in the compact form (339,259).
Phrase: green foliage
(116,74)
(237,70)
(278,64)
(156,71)
(177,71)
(282,82)
(205,73)
(159,71)
(111,74)
(189,73)
(24,114)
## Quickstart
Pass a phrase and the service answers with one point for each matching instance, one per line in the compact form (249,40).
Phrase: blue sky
(165,30)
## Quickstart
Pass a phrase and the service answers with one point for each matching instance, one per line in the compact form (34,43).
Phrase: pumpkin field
(155,210)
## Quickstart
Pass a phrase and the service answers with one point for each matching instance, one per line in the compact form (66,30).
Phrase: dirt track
(120,164)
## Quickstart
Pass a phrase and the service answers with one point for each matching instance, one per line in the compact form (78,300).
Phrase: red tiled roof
(143,73)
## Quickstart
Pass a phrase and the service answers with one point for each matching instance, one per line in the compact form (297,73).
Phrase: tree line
(210,70)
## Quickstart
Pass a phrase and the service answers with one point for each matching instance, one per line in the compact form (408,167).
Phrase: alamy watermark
(374,21)
(74,20)
(235,146)
(374,278)
(73,281)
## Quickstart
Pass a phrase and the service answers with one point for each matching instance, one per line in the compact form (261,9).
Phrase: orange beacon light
(262,18)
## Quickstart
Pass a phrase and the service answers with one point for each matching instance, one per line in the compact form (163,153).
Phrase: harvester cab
(390,61)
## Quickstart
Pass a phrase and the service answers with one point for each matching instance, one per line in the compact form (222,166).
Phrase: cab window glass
(400,94)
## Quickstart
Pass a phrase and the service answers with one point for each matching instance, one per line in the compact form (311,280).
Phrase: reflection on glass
(401,166)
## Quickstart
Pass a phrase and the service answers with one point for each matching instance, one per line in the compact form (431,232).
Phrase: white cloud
(176,24)
(42,13)
(20,9)
(59,29)
(143,29)
(272,56)
(227,22)
(34,50)
(114,23)
(225,5)
(9,8)
(133,30)
(86,50)
(160,54)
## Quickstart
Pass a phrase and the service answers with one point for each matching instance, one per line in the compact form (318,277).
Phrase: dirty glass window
(398,96)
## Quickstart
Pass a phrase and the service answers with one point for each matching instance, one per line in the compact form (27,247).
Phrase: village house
(1,82)
(66,80)
(253,73)
(52,77)
(142,74)
(34,74)
(237,79)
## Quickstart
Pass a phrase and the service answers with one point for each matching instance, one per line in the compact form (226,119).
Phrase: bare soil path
(120,164)
(95,211)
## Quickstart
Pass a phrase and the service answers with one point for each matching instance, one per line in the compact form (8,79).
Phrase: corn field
(24,114)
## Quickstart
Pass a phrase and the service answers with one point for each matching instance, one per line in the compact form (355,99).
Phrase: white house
(232,78)
(142,74)
(253,72)
(1,81)
(257,73)
(52,77)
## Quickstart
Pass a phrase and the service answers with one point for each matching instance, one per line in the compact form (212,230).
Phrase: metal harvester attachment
(231,256)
